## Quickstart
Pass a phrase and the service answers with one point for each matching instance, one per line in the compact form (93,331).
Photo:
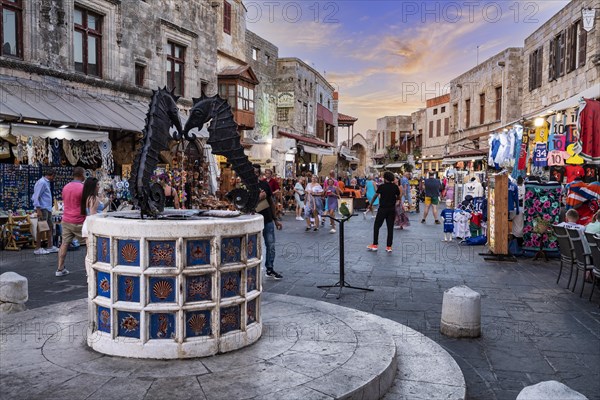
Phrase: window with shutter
(227,17)
(560,64)
(446,126)
(571,57)
(430,129)
(540,58)
(582,45)
(531,71)
(468,113)
(438,128)
(551,61)
(481,108)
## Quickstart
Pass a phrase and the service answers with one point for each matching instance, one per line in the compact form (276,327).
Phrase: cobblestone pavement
(532,329)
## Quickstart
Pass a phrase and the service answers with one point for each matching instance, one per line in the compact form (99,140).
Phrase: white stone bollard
(13,292)
(461,312)
(550,390)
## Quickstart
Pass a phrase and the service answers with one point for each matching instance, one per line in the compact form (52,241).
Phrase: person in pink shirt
(72,220)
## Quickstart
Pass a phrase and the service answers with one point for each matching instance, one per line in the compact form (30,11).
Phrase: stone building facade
(484,99)
(437,132)
(419,127)
(561,60)
(395,131)
(116,50)
(262,57)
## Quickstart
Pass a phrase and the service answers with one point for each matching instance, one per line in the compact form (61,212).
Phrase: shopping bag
(43,226)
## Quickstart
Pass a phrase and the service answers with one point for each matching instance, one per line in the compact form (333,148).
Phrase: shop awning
(378,166)
(466,155)
(395,165)
(58,104)
(305,139)
(56,133)
(348,157)
(452,160)
(317,150)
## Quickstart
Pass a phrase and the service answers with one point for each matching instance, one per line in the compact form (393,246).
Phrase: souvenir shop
(537,168)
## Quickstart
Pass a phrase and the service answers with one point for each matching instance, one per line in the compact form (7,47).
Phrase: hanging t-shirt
(541,133)
(513,197)
(557,142)
(557,174)
(589,126)
(540,155)
(480,205)
(573,171)
(591,173)
(448,216)
(557,157)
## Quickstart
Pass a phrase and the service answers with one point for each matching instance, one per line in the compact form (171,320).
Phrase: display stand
(342,282)
(498,220)
(18,231)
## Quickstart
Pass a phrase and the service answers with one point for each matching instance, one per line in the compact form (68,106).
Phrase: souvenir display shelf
(169,289)
(18,232)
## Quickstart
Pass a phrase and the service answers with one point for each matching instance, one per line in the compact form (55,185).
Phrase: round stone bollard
(461,313)
(13,292)
(550,390)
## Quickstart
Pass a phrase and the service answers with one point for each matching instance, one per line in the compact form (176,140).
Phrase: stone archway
(361,153)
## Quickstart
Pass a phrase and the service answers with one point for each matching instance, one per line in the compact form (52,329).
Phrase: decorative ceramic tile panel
(129,252)
(128,288)
(103,315)
(197,323)
(162,326)
(197,252)
(251,312)
(161,253)
(230,284)
(129,324)
(251,279)
(231,250)
(103,249)
(103,284)
(252,246)
(162,289)
(230,319)
(198,288)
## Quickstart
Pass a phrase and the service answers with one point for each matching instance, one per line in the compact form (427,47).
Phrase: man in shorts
(433,188)
(72,220)
(42,201)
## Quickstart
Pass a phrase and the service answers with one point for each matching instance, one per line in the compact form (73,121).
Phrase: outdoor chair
(595,239)
(582,258)
(566,251)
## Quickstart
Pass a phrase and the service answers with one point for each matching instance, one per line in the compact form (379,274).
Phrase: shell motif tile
(251,312)
(231,250)
(197,323)
(198,288)
(230,319)
(128,252)
(103,322)
(162,326)
(162,289)
(252,246)
(129,324)
(103,249)
(251,279)
(103,284)
(128,288)
(230,284)
(161,253)
(197,252)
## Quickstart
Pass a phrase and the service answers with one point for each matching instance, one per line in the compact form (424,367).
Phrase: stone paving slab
(309,350)
(521,302)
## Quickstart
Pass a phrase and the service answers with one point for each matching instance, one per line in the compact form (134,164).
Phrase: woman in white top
(313,202)
(299,196)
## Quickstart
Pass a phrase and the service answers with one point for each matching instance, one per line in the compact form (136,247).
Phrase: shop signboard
(285,99)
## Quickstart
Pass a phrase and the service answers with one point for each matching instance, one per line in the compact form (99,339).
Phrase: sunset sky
(370,50)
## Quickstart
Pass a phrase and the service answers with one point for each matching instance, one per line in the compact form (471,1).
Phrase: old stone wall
(295,76)
(571,83)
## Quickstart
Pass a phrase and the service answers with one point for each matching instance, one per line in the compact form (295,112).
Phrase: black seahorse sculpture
(161,119)
(225,141)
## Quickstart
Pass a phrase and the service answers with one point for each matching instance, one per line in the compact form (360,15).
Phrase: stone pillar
(461,312)
(13,293)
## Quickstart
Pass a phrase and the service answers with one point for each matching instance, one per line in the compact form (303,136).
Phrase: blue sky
(371,50)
